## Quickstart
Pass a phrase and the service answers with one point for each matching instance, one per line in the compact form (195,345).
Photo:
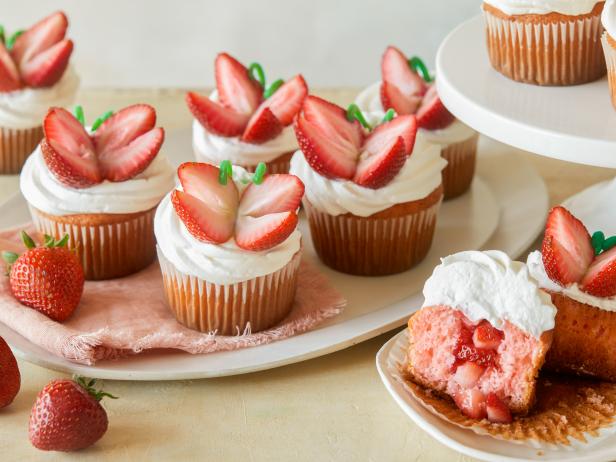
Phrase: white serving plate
(574,123)
(506,186)
(466,441)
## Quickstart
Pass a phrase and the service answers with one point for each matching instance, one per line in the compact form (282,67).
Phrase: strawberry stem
(11,41)
(273,88)
(258,69)
(79,115)
(88,385)
(28,241)
(99,121)
(257,178)
(225,171)
(354,113)
(417,64)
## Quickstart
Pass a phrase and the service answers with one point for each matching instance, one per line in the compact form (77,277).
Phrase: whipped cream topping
(568,7)
(608,17)
(489,285)
(43,191)
(26,108)
(420,175)
(217,263)
(537,270)
(369,101)
(213,149)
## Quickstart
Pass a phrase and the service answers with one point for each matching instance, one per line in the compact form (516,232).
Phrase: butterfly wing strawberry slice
(9,75)
(264,232)
(237,90)
(216,118)
(68,150)
(277,193)
(600,279)
(47,67)
(432,114)
(408,85)
(40,37)
(124,126)
(202,181)
(332,121)
(377,169)
(567,251)
(262,126)
(404,126)
(393,98)
(288,99)
(496,410)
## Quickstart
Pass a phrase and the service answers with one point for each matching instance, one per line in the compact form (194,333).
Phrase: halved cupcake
(405,91)
(34,75)
(482,334)
(245,121)
(372,197)
(100,186)
(228,247)
(579,272)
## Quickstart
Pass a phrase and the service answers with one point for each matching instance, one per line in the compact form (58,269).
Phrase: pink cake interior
(443,341)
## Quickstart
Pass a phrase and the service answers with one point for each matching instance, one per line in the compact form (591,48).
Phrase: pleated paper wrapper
(461,159)
(16,144)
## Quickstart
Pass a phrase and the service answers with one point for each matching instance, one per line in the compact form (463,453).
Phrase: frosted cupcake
(101,187)
(608,19)
(372,198)
(545,42)
(405,91)
(244,120)
(229,248)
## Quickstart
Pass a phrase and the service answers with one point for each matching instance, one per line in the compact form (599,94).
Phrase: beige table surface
(332,408)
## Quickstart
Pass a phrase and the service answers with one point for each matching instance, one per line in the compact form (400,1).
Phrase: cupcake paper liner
(233,309)
(548,49)
(388,242)
(16,144)
(109,245)
(609,51)
(461,158)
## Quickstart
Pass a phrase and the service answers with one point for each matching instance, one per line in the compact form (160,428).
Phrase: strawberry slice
(404,126)
(376,169)
(486,336)
(332,121)
(237,90)
(468,374)
(47,67)
(471,402)
(432,114)
(68,150)
(9,75)
(128,161)
(408,84)
(40,37)
(600,279)
(567,250)
(201,181)
(277,193)
(263,126)
(202,220)
(496,410)
(124,126)
(264,232)
(214,117)
(288,99)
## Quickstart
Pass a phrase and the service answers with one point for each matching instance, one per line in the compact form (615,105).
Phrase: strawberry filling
(242,109)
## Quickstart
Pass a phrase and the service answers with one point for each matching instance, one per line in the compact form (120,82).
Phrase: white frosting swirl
(217,263)
(42,190)
(420,175)
(489,285)
(608,18)
(26,108)
(369,101)
(519,7)
(537,270)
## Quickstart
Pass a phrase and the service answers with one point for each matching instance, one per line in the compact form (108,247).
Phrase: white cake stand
(574,124)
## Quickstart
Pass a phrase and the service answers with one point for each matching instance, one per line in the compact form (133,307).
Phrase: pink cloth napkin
(126,316)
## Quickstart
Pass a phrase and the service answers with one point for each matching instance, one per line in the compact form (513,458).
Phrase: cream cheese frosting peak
(520,7)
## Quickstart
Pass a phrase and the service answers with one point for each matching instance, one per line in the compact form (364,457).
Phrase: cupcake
(482,348)
(608,19)
(406,92)
(545,42)
(372,198)
(34,75)
(229,248)
(100,186)
(244,120)
(579,272)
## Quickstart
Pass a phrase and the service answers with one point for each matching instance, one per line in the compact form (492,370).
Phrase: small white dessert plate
(506,186)
(594,206)
(467,441)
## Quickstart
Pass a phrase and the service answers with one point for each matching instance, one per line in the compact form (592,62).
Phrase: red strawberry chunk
(471,402)
(263,126)
(376,169)
(277,193)
(407,84)
(9,75)
(432,114)
(237,90)
(207,222)
(600,280)
(486,336)
(567,250)
(465,350)
(288,99)
(201,181)
(216,118)
(496,410)
(264,232)
(47,67)
(393,98)
(468,374)
(124,126)
(40,37)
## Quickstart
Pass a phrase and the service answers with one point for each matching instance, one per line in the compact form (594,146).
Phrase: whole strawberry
(49,279)
(67,416)
(10,378)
